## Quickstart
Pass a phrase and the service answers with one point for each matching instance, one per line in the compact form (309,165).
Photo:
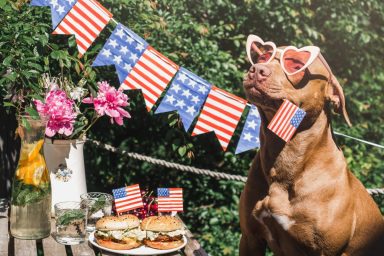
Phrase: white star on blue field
(123,49)
(186,94)
(58,8)
(249,138)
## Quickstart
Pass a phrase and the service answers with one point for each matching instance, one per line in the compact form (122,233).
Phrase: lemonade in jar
(31,190)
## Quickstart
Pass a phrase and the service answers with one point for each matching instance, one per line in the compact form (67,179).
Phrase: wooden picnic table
(49,247)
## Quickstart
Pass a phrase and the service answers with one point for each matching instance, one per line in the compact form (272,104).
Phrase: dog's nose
(262,72)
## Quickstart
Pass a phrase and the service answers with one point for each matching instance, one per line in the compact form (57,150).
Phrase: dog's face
(266,85)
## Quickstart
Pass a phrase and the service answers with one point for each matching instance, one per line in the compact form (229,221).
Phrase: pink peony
(60,110)
(110,101)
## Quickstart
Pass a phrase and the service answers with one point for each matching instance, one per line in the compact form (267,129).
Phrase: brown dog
(300,197)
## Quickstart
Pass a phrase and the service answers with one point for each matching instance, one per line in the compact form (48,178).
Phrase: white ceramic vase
(65,162)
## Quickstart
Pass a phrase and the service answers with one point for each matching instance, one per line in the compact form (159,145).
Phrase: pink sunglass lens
(260,53)
(294,61)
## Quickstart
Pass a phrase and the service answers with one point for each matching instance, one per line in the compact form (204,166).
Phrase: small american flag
(151,74)
(221,113)
(286,120)
(127,198)
(85,20)
(170,199)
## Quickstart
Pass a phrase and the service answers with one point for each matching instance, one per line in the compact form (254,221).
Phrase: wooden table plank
(82,249)
(51,247)
(4,236)
(25,247)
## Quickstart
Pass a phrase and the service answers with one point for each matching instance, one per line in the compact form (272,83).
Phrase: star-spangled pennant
(186,94)
(151,75)
(170,199)
(249,138)
(221,113)
(122,49)
(85,20)
(286,120)
(127,198)
(59,8)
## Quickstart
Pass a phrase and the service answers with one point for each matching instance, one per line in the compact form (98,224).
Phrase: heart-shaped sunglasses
(292,60)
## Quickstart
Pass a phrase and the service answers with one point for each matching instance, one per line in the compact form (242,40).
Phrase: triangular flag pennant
(59,8)
(170,200)
(127,198)
(221,113)
(151,74)
(249,138)
(122,49)
(85,20)
(286,120)
(186,94)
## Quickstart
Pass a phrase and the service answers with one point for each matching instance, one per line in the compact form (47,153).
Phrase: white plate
(142,250)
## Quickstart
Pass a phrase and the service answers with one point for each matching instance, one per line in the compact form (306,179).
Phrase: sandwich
(163,232)
(119,233)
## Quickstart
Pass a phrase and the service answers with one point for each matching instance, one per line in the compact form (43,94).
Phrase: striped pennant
(151,74)
(286,120)
(221,113)
(85,20)
(127,198)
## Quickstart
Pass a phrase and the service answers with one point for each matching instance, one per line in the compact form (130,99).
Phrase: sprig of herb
(98,205)
(69,216)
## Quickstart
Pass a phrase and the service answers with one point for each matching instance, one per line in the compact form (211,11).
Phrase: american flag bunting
(85,20)
(286,120)
(249,138)
(170,199)
(122,49)
(59,8)
(151,74)
(186,94)
(221,113)
(127,198)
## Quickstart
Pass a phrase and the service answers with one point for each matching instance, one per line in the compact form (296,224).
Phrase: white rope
(206,172)
(360,140)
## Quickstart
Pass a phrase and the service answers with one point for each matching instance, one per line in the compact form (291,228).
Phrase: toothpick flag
(123,49)
(249,138)
(221,113)
(127,198)
(170,199)
(59,8)
(85,20)
(286,120)
(186,95)
(151,74)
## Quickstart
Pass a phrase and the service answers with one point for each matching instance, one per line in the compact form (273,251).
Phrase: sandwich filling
(119,235)
(165,236)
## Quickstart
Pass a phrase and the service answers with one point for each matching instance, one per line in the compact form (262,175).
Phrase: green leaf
(182,150)
(69,216)
(32,112)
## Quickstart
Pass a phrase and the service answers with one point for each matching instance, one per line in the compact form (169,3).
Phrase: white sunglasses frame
(313,50)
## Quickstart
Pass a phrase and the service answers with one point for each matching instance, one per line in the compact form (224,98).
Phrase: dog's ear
(336,96)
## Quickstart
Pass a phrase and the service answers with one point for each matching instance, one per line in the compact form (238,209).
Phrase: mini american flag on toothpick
(170,200)
(127,198)
(286,120)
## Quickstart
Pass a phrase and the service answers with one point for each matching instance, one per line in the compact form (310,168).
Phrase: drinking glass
(98,205)
(70,223)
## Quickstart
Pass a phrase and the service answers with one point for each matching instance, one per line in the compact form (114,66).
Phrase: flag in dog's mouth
(286,120)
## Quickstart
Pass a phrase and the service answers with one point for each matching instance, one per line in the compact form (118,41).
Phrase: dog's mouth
(263,94)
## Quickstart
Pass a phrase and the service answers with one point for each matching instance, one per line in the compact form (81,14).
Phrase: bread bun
(128,221)
(129,243)
(163,245)
(161,224)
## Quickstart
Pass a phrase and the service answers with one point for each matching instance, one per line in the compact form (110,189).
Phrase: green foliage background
(208,38)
